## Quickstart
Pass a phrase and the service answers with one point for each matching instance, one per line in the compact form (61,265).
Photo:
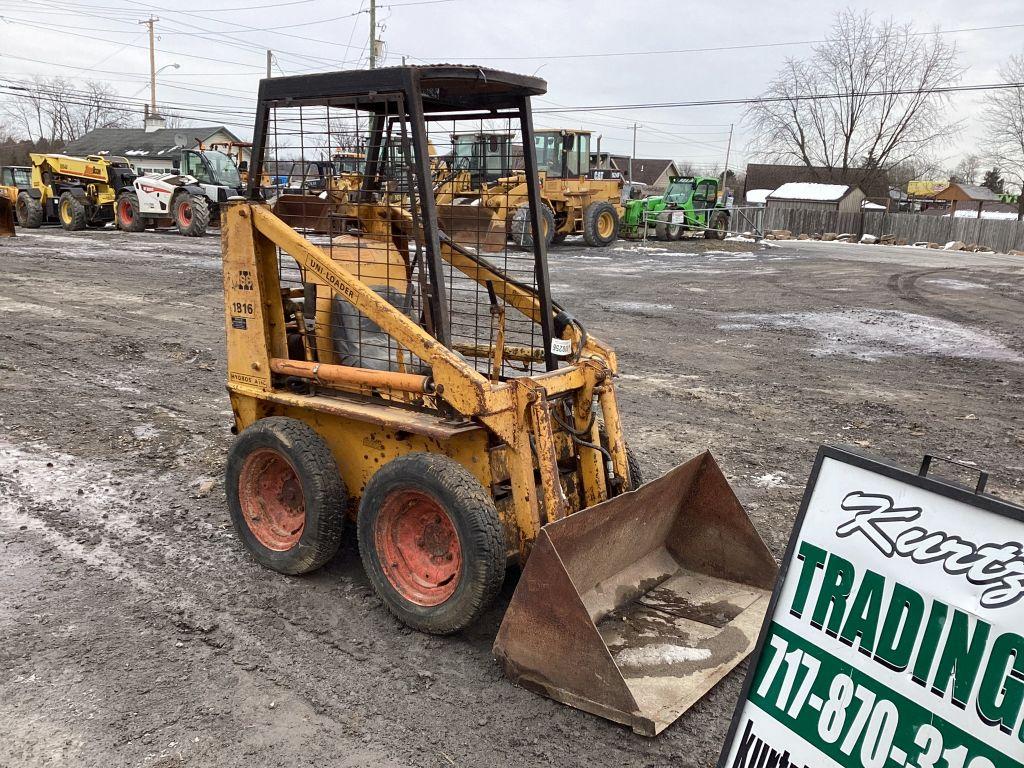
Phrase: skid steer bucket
(469,223)
(634,608)
(309,212)
(6,216)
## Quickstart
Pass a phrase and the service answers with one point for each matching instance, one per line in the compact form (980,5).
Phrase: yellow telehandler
(437,400)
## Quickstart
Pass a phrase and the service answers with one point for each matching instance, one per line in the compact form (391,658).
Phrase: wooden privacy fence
(997,234)
(811,221)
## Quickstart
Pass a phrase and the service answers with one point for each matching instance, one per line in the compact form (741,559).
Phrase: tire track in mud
(906,286)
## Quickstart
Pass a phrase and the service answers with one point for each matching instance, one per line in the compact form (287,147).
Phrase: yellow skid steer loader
(435,398)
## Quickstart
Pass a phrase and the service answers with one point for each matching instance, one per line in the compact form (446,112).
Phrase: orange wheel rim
(273,505)
(126,212)
(418,547)
(185,213)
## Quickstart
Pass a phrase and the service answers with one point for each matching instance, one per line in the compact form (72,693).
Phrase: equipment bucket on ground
(636,607)
(6,216)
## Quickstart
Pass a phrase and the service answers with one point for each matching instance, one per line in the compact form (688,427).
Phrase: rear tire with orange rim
(431,542)
(286,497)
(191,214)
(128,216)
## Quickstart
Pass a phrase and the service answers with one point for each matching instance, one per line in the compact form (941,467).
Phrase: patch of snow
(145,431)
(640,249)
(656,655)
(805,190)
(770,480)
(758,196)
(639,306)
(955,285)
(870,334)
(969,214)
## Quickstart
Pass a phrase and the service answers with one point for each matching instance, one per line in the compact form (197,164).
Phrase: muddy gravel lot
(135,631)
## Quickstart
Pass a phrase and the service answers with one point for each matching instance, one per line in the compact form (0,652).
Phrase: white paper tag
(679,217)
(561,347)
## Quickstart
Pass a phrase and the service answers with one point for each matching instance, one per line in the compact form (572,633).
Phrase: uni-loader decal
(895,638)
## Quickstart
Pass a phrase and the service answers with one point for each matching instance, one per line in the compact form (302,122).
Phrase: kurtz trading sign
(894,637)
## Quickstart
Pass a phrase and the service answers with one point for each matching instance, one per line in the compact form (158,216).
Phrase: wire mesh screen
(349,179)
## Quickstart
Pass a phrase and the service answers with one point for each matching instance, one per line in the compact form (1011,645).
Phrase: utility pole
(373,34)
(270,61)
(152,63)
(635,126)
(725,173)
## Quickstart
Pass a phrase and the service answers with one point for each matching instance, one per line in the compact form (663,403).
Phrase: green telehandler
(689,204)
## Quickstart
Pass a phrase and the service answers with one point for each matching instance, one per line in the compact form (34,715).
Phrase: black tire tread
(316,455)
(520,225)
(79,216)
(29,211)
(138,222)
(713,233)
(486,531)
(200,215)
(590,216)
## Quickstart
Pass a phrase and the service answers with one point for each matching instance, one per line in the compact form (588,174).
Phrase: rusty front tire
(286,497)
(431,542)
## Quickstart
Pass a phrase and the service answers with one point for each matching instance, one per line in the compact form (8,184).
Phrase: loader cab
(19,176)
(348,162)
(563,154)
(211,167)
(679,191)
(487,156)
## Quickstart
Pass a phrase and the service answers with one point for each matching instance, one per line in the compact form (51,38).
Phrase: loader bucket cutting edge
(472,225)
(635,608)
(6,217)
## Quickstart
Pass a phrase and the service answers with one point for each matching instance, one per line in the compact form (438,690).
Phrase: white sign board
(895,638)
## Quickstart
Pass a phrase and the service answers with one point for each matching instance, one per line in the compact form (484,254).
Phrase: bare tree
(855,129)
(966,171)
(1004,127)
(59,110)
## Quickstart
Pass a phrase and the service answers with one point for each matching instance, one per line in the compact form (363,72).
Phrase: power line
(710,49)
(770,99)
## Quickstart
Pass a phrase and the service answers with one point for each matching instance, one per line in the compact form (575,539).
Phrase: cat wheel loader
(575,199)
(436,403)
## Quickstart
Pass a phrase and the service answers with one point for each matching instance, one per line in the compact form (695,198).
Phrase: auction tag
(561,347)
(678,217)
(894,635)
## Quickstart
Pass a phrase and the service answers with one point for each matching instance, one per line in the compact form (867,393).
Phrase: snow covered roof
(867,205)
(971,213)
(758,196)
(802,190)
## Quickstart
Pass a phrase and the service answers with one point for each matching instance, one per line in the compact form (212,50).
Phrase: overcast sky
(215,81)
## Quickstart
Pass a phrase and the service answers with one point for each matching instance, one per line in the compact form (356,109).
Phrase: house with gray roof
(151,150)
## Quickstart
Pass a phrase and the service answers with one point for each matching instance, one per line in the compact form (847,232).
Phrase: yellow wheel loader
(437,404)
(575,200)
(8,198)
